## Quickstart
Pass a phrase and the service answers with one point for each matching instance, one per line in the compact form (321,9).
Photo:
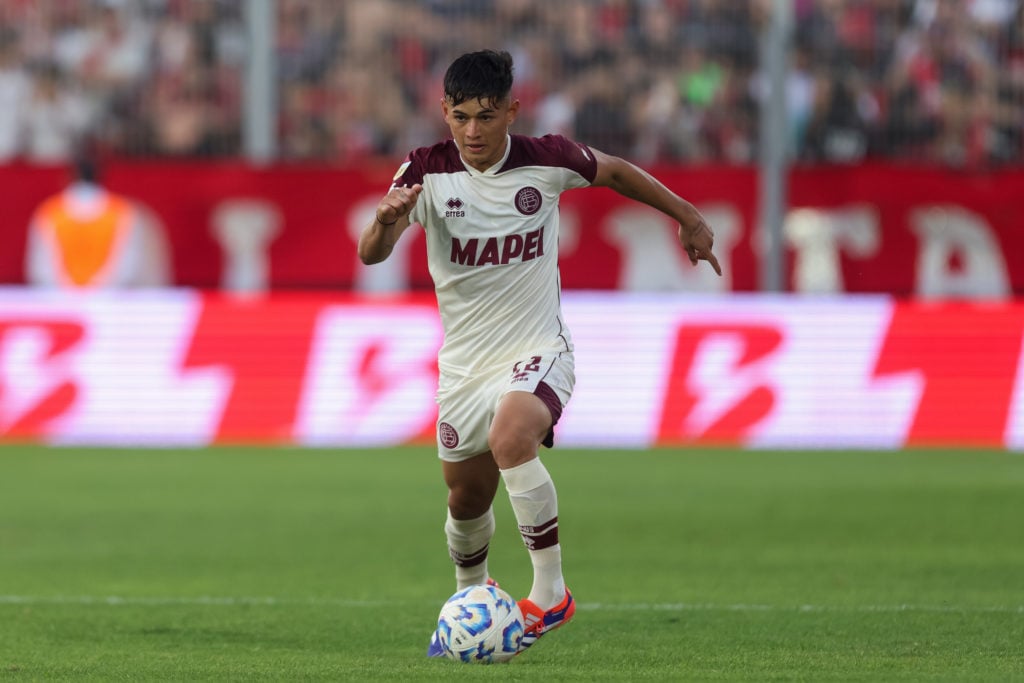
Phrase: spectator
(113,55)
(191,106)
(601,118)
(940,91)
(89,237)
(304,131)
(15,87)
(1008,111)
(360,126)
(165,76)
(306,41)
(837,129)
(186,115)
(56,117)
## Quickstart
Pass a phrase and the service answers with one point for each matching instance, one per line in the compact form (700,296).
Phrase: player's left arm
(632,181)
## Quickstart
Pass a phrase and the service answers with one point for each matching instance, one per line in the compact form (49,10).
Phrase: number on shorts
(532,366)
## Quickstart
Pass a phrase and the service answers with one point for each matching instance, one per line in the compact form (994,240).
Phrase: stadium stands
(932,81)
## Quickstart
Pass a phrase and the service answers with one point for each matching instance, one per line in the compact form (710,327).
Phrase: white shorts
(467,404)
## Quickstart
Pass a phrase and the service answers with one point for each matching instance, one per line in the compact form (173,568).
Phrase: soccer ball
(480,624)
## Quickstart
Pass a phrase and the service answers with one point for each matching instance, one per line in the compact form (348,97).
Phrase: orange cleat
(537,622)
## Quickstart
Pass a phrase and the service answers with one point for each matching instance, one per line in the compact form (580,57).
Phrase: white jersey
(492,246)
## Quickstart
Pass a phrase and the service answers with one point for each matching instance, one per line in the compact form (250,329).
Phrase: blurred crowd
(935,81)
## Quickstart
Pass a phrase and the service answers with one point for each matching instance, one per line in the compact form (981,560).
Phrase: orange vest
(85,247)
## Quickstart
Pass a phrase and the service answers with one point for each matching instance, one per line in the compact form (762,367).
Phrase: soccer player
(488,201)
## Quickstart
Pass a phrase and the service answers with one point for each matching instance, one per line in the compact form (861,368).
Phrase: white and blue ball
(480,624)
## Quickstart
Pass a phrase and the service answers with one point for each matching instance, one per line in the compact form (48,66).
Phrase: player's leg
(465,410)
(537,391)
(472,484)
(521,424)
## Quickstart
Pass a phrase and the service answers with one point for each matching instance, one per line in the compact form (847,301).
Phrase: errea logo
(455,210)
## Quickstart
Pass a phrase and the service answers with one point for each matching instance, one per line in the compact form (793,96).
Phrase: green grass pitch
(238,564)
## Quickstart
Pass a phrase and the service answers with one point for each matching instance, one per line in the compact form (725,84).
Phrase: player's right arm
(389,222)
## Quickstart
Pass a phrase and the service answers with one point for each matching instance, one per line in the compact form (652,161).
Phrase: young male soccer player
(488,201)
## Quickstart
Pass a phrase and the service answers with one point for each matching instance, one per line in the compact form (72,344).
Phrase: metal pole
(259,116)
(774,145)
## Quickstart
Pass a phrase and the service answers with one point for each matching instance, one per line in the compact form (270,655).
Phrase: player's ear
(513,109)
(444,108)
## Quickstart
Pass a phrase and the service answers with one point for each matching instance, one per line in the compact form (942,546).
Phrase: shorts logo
(528,201)
(449,437)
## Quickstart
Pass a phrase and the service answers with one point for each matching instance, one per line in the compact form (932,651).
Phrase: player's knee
(512,447)
(468,502)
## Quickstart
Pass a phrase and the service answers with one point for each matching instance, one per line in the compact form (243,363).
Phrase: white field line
(234,601)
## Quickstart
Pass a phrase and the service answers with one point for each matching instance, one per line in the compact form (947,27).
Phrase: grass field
(261,564)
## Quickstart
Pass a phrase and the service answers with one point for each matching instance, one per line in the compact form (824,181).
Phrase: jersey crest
(528,200)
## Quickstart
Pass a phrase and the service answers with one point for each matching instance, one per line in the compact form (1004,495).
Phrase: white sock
(468,543)
(535,503)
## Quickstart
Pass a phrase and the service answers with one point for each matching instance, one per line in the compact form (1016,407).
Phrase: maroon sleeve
(409,173)
(552,150)
(441,158)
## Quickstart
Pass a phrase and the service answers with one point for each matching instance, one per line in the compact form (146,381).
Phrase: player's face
(479,129)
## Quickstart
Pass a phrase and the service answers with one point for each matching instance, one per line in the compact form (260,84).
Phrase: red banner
(896,230)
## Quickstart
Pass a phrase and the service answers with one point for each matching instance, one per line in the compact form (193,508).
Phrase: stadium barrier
(186,368)
(896,230)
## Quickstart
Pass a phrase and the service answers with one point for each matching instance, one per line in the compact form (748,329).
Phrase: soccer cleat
(537,622)
(434,649)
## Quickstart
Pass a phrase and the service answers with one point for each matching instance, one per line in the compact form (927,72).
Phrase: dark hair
(85,162)
(86,169)
(484,76)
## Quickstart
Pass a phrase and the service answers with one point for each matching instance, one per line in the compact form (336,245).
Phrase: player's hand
(397,202)
(698,240)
